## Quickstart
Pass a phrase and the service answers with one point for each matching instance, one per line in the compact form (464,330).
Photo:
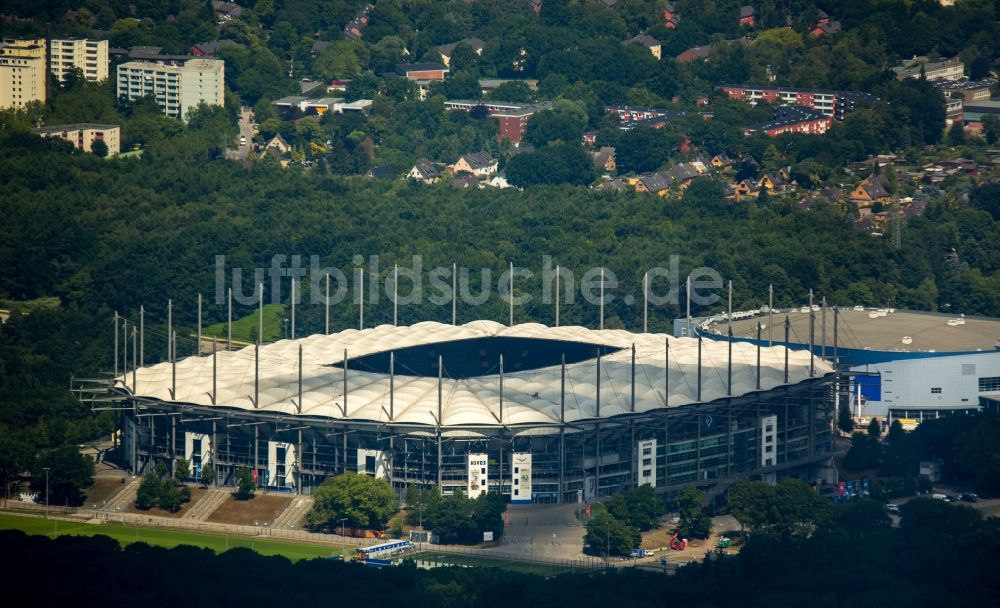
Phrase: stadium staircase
(124,498)
(208,504)
(291,518)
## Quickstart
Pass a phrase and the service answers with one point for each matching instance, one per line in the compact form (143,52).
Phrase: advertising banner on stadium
(478,478)
(647,462)
(520,488)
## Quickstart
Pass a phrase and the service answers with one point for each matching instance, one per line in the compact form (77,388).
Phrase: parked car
(951,498)
(892,508)
(243,140)
(969,497)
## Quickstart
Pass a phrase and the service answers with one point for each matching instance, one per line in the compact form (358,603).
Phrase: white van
(243,140)
(940,496)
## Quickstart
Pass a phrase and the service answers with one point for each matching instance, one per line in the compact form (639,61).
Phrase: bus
(382,553)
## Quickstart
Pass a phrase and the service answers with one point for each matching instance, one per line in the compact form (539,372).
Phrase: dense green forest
(940,554)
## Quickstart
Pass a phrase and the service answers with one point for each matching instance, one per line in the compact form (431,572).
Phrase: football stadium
(537,413)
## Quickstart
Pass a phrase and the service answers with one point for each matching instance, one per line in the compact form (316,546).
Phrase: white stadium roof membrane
(530,397)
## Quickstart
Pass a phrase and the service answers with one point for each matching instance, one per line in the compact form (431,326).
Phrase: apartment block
(83,135)
(177,83)
(22,72)
(90,56)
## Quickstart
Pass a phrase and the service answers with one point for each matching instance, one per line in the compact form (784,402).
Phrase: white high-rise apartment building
(91,56)
(178,84)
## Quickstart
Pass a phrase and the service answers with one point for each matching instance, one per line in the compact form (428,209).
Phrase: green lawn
(242,327)
(169,538)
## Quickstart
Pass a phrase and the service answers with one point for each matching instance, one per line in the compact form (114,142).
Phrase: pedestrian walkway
(124,498)
(292,517)
(208,504)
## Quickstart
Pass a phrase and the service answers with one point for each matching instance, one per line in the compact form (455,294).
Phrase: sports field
(169,538)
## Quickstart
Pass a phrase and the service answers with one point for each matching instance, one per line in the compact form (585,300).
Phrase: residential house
(775,182)
(651,44)
(382,172)
(721,161)
(793,119)
(657,183)
(479,164)
(354,28)
(464,180)
(224,11)
(745,189)
(872,189)
(695,53)
(670,16)
(278,144)
(748,16)
(829,195)
(604,159)
(498,181)
(424,171)
(488,85)
(825,29)
(321,45)
(211,48)
(611,185)
(446,50)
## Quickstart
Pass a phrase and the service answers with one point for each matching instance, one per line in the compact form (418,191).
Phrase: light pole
(46,469)
(607,551)
(342,520)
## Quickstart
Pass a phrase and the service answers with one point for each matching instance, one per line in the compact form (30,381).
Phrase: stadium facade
(537,413)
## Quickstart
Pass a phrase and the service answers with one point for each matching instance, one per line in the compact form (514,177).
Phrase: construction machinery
(677,543)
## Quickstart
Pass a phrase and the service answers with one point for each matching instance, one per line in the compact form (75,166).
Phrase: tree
(245,485)
(556,163)
(865,452)
(608,535)
(15,458)
(552,125)
(845,422)
(338,61)
(688,504)
(513,91)
(70,472)
(788,509)
(874,428)
(641,150)
(158,489)
(638,507)
(99,148)
(361,499)
(460,519)
(991,128)
(956,134)
(182,470)
(207,474)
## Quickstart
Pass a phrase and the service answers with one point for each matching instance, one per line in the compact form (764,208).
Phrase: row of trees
(939,551)
(159,489)
(966,445)
(364,501)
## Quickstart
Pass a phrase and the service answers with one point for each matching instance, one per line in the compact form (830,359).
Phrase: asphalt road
(238,152)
